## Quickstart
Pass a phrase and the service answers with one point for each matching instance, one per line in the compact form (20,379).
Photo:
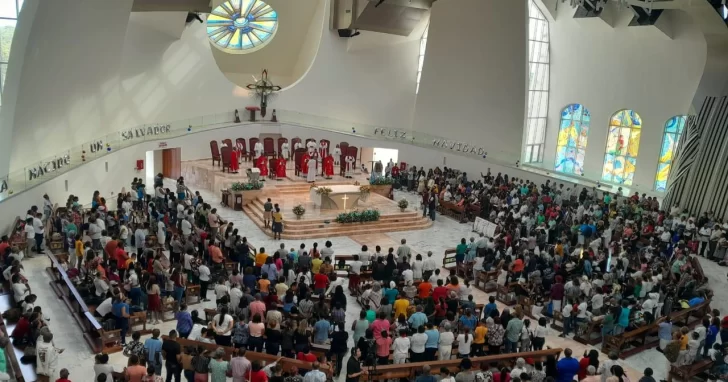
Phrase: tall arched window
(623,142)
(538,85)
(571,146)
(673,128)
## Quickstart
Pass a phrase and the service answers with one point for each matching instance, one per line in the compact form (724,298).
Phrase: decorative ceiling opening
(242,26)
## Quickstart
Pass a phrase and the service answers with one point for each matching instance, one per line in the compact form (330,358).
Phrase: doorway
(172,163)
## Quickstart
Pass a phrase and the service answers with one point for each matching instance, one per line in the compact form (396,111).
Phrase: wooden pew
(485,278)
(687,372)
(690,317)
(448,261)
(97,338)
(633,341)
(410,370)
(21,372)
(503,292)
(287,363)
(591,333)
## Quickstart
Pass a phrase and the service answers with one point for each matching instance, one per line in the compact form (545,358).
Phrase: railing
(21,180)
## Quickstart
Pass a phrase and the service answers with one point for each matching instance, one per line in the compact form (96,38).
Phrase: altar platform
(320,223)
(201,173)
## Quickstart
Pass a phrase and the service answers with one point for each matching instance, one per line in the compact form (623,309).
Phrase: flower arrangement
(239,186)
(381,181)
(312,185)
(365,189)
(323,191)
(403,204)
(299,210)
(369,215)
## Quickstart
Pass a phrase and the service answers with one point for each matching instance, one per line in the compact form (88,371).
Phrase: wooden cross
(345,198)
(263,88)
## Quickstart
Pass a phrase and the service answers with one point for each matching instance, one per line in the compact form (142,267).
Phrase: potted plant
(323,191)
(299,210)
(365,191)
(403,204)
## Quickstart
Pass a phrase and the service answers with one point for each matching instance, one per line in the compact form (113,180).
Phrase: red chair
(228,142)
(353,151)
(269,149)
(298,160)
(294,141)
(240,144)
(215,151)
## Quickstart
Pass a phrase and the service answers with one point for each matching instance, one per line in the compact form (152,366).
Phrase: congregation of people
(579,255)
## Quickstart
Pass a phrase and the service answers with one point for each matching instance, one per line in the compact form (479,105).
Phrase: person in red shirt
(110,249)
(257,374)
(121,258)
(320,282)
(439,292)
(215,254)
(4,245)
(424,289)
(64,376)
(380,324)
(306,355)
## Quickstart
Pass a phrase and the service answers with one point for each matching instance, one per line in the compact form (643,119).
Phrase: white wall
(473,86)
(608,69)
(92,176)
(87,79)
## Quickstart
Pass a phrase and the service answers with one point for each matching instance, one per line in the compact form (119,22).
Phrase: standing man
(170,350)
(153,350)
(267,213)
(47,356)
(353,366)
(403,252)
(39,231)
(214,221)
(567,367)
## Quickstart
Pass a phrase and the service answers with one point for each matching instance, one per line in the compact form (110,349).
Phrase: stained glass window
(571,146)
(538,84)
(242,26)
(673,128)
(623,142)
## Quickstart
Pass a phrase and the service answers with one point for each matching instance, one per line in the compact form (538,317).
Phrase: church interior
(502,141)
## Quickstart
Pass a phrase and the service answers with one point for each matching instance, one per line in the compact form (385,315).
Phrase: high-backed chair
(281,141)
(240,144)
(215,151)
(226,156)
(295,141)
(252,142)
(228,142)
(269,149)
(298,159)
(344,147)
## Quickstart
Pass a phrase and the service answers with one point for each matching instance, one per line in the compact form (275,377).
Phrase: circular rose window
(242,26)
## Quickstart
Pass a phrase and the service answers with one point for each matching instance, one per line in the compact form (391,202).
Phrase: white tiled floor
(443,235)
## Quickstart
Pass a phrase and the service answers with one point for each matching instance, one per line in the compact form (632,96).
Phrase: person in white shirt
(597,301)
(29,236)
(401,347)
(445,343)
(39,232)
(204,276)
(123,234)
(417,345)
(104,309)
(429,266)
(186,228)
(364,256)
(47,357)
(464,339)
(408,276)
(235,296)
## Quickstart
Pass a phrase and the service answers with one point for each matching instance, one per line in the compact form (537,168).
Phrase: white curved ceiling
(288,55)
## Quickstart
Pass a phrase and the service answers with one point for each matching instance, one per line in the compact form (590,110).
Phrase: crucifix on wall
(263,89)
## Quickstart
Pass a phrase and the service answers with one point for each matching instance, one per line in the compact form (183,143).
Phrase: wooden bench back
(409,370)
(287,363)
(448,261)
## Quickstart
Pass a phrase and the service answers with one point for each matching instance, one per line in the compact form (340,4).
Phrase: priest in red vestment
(234,160)
(281,168)
(329,166)
(304,164)
(395,171)
(262,164)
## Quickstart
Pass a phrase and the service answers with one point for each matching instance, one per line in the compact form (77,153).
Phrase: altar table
(341,197)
